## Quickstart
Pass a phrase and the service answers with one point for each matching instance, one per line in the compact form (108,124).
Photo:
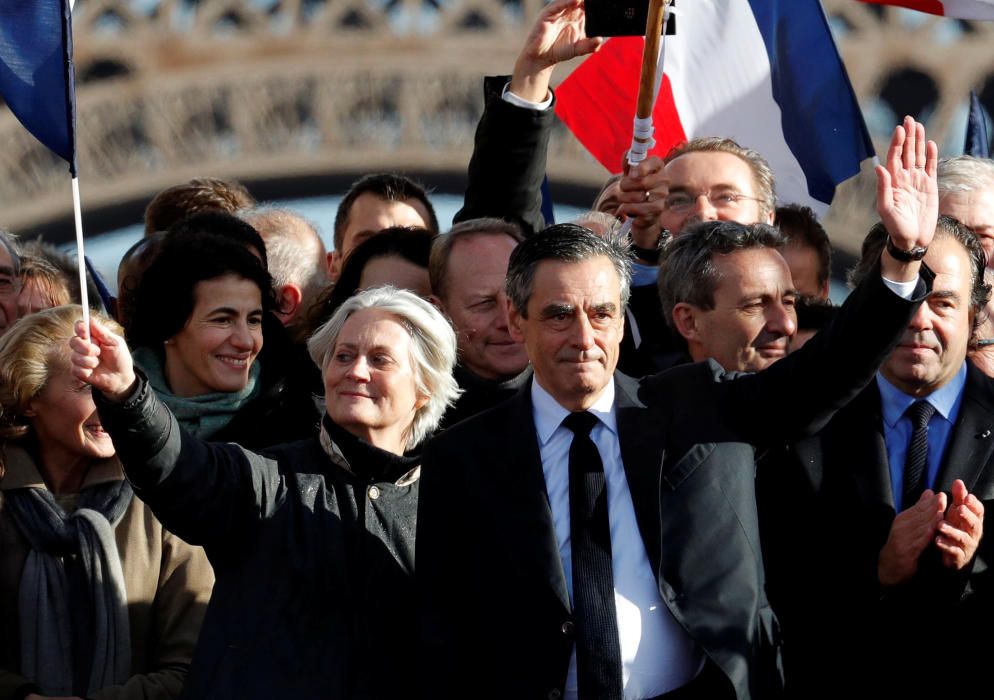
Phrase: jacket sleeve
(184,589)
(203,492)
(508,163)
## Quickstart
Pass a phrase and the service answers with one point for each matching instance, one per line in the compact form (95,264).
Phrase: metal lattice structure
(259,89)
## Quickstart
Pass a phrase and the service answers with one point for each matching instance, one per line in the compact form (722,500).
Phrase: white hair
(433,349)
(965,174)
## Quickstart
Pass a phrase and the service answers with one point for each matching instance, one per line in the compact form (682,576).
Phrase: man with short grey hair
(727,290)
(10,280)
(966,193)
(297,263)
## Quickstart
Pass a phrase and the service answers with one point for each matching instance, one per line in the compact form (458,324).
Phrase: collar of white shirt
(549,413)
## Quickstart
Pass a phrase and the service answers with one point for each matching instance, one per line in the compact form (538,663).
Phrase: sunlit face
(934,344)
(754,314)
(369,215)
(10,285)
(396,271)
(573,329)
(370,385)
(65,421)
(474,301)
(975,210)
(700,173)
(216,348)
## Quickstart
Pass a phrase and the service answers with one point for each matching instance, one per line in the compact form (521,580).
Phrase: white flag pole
(649,81)
(81,260)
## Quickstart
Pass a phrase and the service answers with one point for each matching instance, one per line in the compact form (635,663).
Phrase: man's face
(573,329)
(475,303)
(700,173)
(753,318)
(10,287)
(804,265)
(369,215)
(934,344)
(975,210)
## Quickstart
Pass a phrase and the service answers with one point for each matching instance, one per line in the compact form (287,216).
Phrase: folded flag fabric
(765,73)
(35,71)
(959,9)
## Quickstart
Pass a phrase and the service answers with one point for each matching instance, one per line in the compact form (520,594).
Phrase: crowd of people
(638,455)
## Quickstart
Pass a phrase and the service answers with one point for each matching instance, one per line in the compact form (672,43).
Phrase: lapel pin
(986,433)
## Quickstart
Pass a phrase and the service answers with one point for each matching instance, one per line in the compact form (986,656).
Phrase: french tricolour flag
(960,9)
(765,73)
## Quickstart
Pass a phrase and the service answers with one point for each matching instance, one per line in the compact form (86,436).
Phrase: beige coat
(168,583)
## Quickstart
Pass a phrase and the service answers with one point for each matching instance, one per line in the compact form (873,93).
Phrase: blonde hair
(33,348)
(433,349)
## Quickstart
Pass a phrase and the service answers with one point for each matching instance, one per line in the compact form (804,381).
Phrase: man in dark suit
(910,464)
(597,538)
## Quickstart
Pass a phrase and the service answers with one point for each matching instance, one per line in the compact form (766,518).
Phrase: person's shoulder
(673,383)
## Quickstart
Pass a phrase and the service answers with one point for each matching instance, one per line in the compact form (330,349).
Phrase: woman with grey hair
(312,542)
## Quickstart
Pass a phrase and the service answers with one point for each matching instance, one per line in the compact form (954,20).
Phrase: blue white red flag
(36,76)
(765,73)
(960,9)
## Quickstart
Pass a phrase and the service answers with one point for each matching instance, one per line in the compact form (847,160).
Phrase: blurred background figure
(96,599)
(201,194)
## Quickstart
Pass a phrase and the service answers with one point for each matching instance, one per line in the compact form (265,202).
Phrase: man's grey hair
(687,272)
(599,222)
(965,174)
(433,349)
(564,243)
(295,252)
(8,241)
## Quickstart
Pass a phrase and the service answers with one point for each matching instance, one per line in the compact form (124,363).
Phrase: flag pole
(642,140)
(73,170)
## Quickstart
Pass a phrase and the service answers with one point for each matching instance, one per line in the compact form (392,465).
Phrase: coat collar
(21,471)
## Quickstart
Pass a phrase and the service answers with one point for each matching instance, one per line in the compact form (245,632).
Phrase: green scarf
(203,415)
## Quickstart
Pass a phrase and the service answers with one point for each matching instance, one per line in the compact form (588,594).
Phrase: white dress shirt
(657,654)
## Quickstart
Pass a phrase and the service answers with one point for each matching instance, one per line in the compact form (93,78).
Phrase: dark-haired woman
(197,329)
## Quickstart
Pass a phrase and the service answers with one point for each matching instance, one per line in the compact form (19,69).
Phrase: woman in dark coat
(312,542)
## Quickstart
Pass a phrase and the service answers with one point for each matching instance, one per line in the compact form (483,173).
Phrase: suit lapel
(642,455)
(530,530)
(972,441)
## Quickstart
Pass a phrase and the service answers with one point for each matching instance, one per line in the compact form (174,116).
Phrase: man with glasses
(10,281)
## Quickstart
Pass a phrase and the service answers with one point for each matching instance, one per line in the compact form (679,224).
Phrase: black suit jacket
(493,593)
(834,612)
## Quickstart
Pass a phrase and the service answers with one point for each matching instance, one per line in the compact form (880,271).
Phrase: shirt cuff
(509,96)
(903,289)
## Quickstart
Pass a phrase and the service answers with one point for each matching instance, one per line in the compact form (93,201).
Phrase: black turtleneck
(367,461)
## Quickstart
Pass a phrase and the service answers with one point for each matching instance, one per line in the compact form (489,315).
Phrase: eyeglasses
(985,342)
(9,286)
(724,200)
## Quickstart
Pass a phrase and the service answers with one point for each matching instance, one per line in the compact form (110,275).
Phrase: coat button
(555,694)
(374,493)
(567,628)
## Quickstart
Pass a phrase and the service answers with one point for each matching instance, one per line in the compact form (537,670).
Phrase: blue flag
(36,75)
(977,143)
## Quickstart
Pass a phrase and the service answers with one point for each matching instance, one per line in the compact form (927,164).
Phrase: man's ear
(514,321)
(770,216)
(288,299)
(685,318)
(334,263)
(437,303)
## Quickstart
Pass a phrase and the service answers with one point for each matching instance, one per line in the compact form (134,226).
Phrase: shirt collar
(549,414)
(945,399)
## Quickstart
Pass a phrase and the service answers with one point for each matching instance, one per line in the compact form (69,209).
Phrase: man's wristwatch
(913,255)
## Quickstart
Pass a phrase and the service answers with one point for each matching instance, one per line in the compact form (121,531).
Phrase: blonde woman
(97,600)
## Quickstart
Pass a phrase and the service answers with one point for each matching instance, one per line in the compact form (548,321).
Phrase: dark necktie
(598,649)
(916,463)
